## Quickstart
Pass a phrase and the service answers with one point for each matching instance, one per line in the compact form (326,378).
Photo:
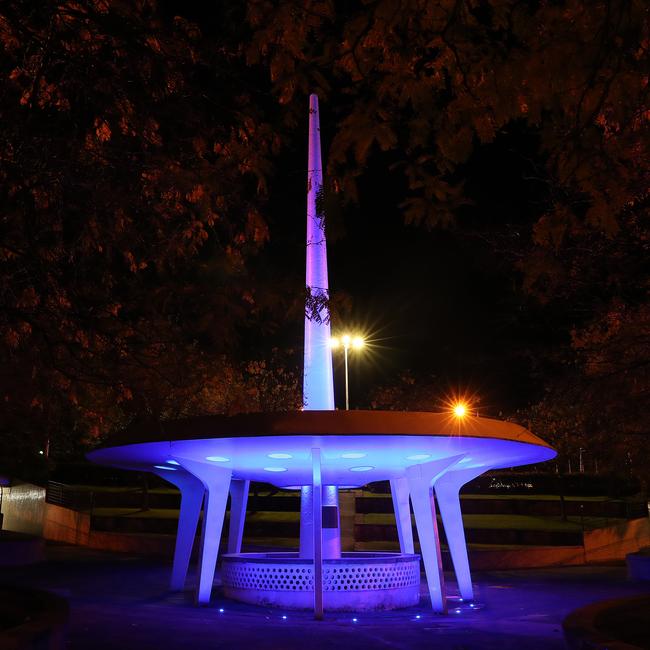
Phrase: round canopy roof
(357,447)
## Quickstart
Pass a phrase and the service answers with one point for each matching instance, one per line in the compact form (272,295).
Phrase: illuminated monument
(318,451)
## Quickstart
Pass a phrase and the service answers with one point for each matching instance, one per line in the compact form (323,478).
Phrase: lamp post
(347,341)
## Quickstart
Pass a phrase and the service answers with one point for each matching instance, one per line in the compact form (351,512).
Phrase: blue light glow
(396,442)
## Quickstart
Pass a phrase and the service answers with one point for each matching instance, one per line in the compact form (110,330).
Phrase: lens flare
(460,410)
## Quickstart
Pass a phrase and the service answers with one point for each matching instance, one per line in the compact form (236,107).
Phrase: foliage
(136,149)
(406,393)
(429,83)
(570,420)
(254,386)
(428,80)
(131,186)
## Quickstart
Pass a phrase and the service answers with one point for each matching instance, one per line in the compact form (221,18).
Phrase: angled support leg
(192,491)
(399,489)
(238,500)
(216,481)
(420,479)
(447,488)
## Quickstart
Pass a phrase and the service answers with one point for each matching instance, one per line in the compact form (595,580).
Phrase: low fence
(367,519)
(85,499)
(137,520)
(69,496)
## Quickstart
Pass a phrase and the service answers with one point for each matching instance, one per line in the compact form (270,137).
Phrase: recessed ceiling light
(361,468)
(275,469)
(353,455)
(418,457)
(217,459)
(169,469)
(280,456)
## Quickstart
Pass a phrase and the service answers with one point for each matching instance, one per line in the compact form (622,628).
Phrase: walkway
(120,601)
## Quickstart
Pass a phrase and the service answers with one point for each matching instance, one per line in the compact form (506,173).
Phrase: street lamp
(347,341)
(460,410)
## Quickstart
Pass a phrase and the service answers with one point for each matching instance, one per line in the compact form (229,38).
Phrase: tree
(136,149)
(131,187)
(427,84)
(429,80)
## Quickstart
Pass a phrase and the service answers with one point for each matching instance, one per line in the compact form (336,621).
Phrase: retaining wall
(23,507)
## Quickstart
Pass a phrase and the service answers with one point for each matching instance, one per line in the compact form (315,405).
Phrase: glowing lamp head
(334,343)
(345,339)
(460,410)
(357,343)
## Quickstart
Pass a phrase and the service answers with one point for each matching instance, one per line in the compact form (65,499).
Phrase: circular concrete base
(354,582)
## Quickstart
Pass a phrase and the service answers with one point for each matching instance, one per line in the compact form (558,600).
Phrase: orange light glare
(334,343)
(460,410)
(346,340)
(357,342)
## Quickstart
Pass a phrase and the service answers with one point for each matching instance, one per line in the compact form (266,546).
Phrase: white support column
(317,518)
(192,492)
(238,500)
(318,377)
(331,535)
(447,488)
(331,532)
(306,522)
(216,481)
(399,489)
(420,479)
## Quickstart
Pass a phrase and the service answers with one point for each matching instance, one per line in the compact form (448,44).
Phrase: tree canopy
(134,163)
(428,84)
(138,140)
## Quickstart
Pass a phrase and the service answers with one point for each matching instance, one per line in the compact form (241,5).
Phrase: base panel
(353,582)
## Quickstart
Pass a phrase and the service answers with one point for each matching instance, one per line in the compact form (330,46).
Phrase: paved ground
(120,601)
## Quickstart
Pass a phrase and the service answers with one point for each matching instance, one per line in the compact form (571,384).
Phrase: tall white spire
(318,383)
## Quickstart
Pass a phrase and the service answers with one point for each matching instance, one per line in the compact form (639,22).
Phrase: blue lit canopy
(319,450)
(357,447)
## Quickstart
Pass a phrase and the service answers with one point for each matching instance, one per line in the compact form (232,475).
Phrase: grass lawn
(511,522)
(491,521)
